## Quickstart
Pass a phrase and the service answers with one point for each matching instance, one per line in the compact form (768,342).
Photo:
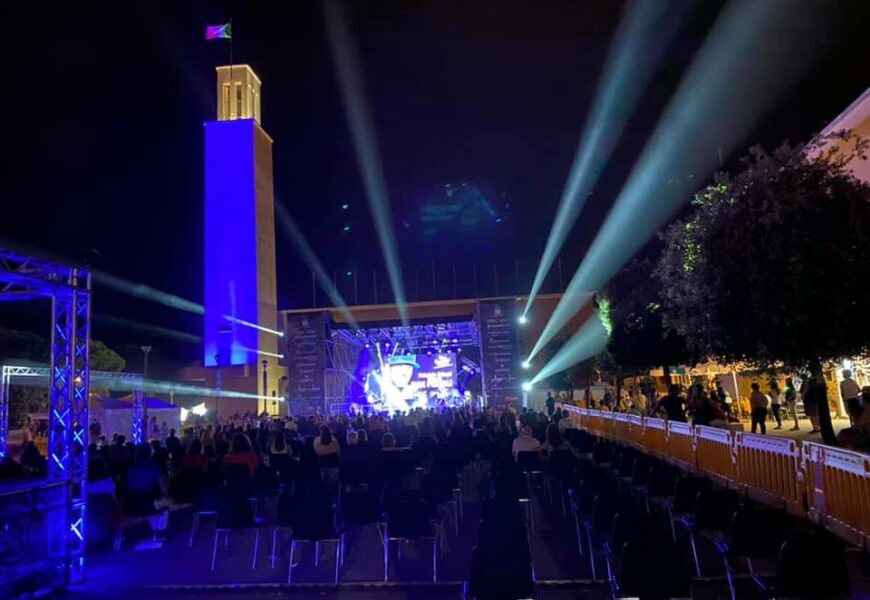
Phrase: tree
(22,345)
(770,267)
(631,308)
(104,358)
(25,347)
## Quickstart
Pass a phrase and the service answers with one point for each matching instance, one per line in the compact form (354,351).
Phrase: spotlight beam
(244,323)
(755,51)
(637,47)
(165,387)
(163,332)
(138,290)
(359,117)
(145,292)
(591,339)
(304,248)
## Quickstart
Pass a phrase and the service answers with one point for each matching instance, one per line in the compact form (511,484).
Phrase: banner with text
(306,360)
(499,351)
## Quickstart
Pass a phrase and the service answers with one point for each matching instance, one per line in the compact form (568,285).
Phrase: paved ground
(804,434)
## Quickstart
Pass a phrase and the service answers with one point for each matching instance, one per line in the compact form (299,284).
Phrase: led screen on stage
(404,381)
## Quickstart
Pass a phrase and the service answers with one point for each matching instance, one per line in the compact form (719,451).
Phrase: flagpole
(232,83)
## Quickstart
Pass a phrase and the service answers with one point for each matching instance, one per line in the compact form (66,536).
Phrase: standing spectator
(551,404)
(188,438)
(790,397)
(624,405)
(705,411)
(775,397)
(606,401)
(173,444)
(849,392)
(95,430)
(758,408)
(673,404)
(639,402)
(164,432)
(810,394)
(720,397)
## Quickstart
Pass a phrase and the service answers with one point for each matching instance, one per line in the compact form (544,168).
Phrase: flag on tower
(219,32)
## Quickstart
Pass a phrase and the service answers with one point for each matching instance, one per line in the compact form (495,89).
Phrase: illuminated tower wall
(239,228)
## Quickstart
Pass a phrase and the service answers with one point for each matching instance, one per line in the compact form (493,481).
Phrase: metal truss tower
(24,278)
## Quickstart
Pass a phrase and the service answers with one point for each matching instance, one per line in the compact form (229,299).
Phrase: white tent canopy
(115,415)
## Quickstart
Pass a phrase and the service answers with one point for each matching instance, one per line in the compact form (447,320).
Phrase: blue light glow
(230,239)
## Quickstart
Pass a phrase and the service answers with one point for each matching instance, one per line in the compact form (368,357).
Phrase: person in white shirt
(849,392)
(525,442)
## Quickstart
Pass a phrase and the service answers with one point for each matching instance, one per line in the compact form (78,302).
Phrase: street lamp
(146,350)
(265,364)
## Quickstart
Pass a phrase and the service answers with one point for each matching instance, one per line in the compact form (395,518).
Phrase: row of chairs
(629,507)
(502,563)
(311,517)
(360,501)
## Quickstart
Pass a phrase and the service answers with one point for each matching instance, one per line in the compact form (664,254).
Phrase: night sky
(105,103)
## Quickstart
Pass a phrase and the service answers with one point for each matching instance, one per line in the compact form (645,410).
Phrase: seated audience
(194,458)
(525,442)
(326,443)
(242,454)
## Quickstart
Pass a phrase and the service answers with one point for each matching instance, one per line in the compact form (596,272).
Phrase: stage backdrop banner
(499,352)
(306,361)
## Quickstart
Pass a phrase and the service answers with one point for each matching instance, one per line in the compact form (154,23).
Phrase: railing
(829,485)
(770,470)
(681,443)
(714,454)
(838,484)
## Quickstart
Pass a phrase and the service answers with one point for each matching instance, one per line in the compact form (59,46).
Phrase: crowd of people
(713,405)
(271,441)
(253,439)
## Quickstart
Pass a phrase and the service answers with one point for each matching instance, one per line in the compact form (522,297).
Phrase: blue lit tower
(240,289)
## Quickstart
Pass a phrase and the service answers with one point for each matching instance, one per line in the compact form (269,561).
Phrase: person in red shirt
(194,458)
(241,454)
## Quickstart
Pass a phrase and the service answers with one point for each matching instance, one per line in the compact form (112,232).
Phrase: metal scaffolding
(10,374)
(416,338)
(342,355)
(23,278)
